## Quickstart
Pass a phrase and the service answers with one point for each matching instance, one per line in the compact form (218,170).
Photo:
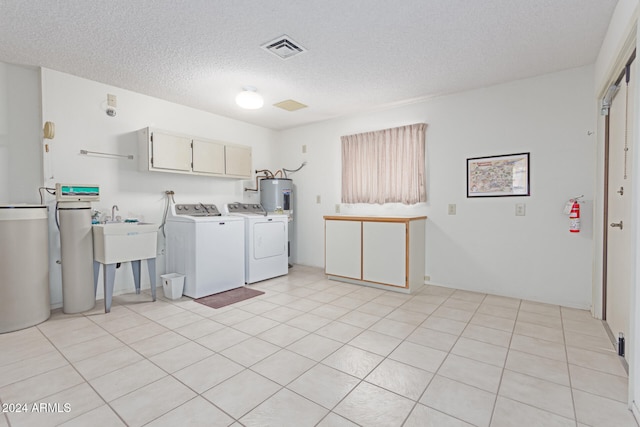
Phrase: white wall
(20,134)
(77,106)
(485,247)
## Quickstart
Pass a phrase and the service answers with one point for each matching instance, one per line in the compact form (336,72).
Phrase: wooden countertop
(374,218)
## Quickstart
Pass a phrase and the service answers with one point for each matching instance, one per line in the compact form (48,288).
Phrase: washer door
(269,239)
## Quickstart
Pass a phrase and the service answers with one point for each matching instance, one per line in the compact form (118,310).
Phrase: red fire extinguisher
(574,218)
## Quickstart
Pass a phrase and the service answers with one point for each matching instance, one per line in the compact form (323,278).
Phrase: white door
(619,211)
(269,239)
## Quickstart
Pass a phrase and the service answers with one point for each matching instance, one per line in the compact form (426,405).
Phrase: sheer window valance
(385,166)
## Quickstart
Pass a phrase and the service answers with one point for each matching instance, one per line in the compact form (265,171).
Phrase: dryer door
(269,238)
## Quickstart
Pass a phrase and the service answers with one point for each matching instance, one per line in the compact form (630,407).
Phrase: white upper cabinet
(208,157)
(238,160)
(170,152)
(163,151)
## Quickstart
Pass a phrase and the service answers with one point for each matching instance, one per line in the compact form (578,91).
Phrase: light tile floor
(316,352)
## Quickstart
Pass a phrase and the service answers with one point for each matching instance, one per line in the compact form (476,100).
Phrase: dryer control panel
(246,208)
(197,209)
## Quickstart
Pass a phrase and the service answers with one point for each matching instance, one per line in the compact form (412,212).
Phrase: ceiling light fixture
(249,98)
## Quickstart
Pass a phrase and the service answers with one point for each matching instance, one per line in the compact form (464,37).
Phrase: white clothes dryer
(266,241)
(206,247)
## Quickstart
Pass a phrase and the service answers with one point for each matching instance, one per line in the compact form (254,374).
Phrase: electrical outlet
(520,209)
(304,148)
(452,209)
(318,199)
(112,100)
(337,208)
(427,278)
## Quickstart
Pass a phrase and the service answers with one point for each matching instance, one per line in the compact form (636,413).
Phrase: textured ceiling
(362,54)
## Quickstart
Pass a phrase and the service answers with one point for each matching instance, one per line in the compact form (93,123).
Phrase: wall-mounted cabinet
(208,157)
(385,252)
(169,152)
(162,151)
(237,160)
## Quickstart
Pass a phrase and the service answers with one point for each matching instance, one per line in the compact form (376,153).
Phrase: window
(385,166)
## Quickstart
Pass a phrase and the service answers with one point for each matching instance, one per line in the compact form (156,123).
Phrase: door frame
(605,224)
(605,212)
(607,73)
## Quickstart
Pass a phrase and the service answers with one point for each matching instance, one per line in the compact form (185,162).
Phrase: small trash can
(172,285)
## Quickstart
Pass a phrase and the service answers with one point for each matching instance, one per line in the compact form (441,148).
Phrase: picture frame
(506,175)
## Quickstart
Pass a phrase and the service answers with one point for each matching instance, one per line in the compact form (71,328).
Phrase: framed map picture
(497,176)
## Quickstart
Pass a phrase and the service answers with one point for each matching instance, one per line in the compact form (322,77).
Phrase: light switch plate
(520,209)
(337,208)
(318,198)
(452,209)
(112,100)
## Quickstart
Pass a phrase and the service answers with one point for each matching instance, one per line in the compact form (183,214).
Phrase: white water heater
(276,195)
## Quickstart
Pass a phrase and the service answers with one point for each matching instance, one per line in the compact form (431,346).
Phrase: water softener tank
(76,256)
(24,266)
(277,194)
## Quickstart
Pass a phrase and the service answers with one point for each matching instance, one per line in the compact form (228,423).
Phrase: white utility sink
(124,241)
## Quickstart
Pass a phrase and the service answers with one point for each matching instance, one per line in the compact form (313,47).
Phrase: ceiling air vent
(284,47)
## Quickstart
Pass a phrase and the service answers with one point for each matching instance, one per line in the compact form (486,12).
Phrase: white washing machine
(206,247)
(266,241)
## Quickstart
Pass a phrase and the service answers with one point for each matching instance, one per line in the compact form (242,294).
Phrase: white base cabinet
(342,248)
(385,252)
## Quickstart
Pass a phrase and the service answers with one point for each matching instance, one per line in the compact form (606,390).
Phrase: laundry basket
(172,285)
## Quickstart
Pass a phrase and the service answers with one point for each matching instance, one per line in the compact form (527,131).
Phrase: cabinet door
(238,160)
(170,152)
(384,252)
(343,248)
(208,157)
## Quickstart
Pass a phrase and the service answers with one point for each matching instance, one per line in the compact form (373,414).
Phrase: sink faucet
(113,212)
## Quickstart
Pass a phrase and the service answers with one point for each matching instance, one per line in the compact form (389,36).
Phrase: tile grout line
(168,374)
(158,321)
(330,410)
(171,374)
(566,354)
(86,381)
(361,380)
(258,373)
(504,366)
(443,360)
(347,342)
